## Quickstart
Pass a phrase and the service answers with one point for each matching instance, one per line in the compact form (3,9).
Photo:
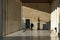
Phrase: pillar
(1,18)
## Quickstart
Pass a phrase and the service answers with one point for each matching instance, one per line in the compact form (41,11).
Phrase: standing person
(31,27)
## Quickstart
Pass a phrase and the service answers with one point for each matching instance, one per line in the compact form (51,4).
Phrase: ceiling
(36,1)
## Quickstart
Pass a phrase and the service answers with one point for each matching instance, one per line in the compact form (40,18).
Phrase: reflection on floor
(32,35)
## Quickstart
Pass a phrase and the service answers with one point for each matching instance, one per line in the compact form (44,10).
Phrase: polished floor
(32,35)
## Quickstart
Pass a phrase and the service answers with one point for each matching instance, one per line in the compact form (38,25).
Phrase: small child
(55,29)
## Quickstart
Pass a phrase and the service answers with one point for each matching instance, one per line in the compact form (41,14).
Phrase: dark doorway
(27,23)
(46,26)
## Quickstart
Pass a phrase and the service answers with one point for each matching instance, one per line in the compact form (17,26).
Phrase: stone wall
(34,10)
(13,16)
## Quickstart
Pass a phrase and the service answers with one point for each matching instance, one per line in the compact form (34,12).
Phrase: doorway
(27,25)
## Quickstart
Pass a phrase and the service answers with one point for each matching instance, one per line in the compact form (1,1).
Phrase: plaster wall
(13,16)
(34,10)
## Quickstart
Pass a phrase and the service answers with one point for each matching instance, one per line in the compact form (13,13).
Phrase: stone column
(58,11)
(1,18)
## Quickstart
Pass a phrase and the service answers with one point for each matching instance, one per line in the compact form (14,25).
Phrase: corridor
(16,15)
(32,35)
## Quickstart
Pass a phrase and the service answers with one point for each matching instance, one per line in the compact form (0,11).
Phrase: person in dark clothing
(32,26)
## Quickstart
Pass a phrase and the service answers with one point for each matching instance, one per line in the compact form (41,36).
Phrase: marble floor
(32,35)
